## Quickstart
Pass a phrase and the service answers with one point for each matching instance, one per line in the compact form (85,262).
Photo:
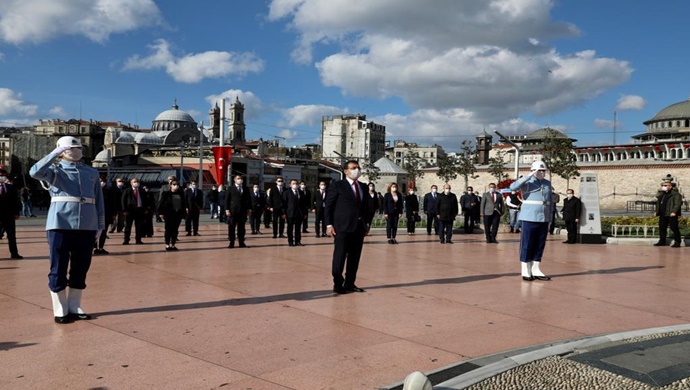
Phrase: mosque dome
(124,138)
(545,133)
(102,156)
(680,110)
(173,119)
(147,139)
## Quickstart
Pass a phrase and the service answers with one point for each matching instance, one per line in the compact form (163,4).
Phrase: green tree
(447,169)
(412,164)
(497,166)
(559,157)
(465,161)
(372,171)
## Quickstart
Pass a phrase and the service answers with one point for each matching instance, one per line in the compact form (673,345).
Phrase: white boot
(60,308)
(74,300)
(536,272)
(527,270)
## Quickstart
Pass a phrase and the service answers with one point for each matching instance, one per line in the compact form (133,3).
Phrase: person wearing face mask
(136,206)
(295,212)
(668,208)
(317,204)
(110,207)
(375,197)
(212,200)
(348,214)
(222,197)
(238,206)
(535,215)
(555,199)
(258,204)
(164,187)
(392,211)
(447,210)
(492,209)
(307,193)
(118,189)
(429,206)
(572,209)
(75,221)
(10,207)
(411,211)
(469,203)
(514,202)
(274,203)
(195,203)
(172,208)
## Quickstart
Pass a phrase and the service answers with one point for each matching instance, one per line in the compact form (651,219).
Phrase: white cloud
(631,102)
(12,103)
(309,115)
(35,21)
(58,112)
(192,68)
(490,58)
(253,107)
(288,134)
(603,123)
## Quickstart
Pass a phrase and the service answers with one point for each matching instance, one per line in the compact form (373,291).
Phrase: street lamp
(201,155)
(183,144)
(517,151)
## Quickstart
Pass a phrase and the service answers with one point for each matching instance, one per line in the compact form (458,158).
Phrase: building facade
(352,136)
(428,155)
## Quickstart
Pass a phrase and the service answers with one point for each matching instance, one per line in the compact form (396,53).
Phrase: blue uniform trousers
(69,250)
(533,240)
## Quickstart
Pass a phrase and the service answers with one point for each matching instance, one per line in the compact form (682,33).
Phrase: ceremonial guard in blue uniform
(535,215)
(75,220)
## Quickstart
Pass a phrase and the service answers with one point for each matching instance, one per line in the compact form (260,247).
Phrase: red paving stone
(265,317)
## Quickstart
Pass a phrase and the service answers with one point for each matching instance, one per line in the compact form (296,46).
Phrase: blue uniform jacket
(68,178)
(536,199)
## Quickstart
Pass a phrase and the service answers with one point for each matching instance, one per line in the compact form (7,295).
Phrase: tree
(465,162)
(447,169)
(559,157)
(372,171)
(497,166)
(412,164)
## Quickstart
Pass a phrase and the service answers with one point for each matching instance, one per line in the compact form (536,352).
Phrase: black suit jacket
(572,209)
(430,203)
(195,203)
(10,204)
(391,206)
(317,201)
(275,200)
(343,211)
(129,203)
(258,202)
(237,203)
(294,206)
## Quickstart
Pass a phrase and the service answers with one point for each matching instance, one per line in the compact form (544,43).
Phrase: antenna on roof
(615,124)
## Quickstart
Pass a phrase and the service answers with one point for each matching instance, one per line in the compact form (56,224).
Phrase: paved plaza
(265,317)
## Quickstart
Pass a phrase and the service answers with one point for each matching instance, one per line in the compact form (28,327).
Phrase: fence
(634,231)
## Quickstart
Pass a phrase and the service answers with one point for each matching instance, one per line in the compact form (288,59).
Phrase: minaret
(483,148)
(236,127)
(214,120)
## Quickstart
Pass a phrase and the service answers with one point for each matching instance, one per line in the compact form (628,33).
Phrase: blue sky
(437,71)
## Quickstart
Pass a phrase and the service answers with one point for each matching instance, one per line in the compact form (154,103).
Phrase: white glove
(530,174)
(98,232)
(60,149)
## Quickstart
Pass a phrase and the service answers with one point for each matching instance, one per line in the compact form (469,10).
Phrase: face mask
(302,187)
(194,186)
(394,189)
(256,190)
(446,192)
(433,190)
(102,184)
(174,187)
(469,192)
(120,184)
(354,174)
(513,192)
(135,184)
(569,196)
(323,187)
(294,186)
(411,192)
(492,190)
(540,175)
(3,179)
(213,188)
(371,188)
(74,154)
(239,182)
(665,188)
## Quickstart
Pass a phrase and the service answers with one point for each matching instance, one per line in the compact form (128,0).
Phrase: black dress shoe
(353,289)
(243,245)
(231,246)
(174,248)
(64,320)
(188,234)
(528,278)
(299,244)
(125,243)
(443,242)
(339,290)
(542,278)
(168,248)
(449,242)
(197,234)
(675,245)
(140,243)
(104,252)
(660,244)
(275,236)
(283,236)
(19,257)
(77,316)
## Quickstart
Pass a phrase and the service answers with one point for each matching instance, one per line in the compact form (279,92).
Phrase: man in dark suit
(238,205)
(10,205)
(492,208)
(135,206)
(572,209)
(110,204)
(195,203)
(429,207)
(307,196)
(295,204)
(348,214)
(258,205)
(447,209)
(469,204)
(317,204)
(121,218)
(274,201)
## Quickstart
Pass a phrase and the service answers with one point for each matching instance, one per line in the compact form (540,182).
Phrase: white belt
(72,199)
(539,202)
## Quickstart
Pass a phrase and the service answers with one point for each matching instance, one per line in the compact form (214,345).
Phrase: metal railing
(643,231)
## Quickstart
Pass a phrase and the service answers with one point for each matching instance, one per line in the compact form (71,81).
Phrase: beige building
(428,155)
(352,136)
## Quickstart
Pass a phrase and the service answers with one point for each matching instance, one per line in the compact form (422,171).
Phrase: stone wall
(617,184)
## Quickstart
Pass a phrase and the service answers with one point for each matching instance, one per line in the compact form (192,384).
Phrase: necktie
(136,197)
(356,190)
(2,190)
(434,196)
(494,196)
(239,189)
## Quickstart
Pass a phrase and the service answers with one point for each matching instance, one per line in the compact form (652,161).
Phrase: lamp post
(201,155)
(182,164)
(517,151)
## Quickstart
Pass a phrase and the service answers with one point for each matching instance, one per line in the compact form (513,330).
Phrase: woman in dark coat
(172,208)
(411,211)
(392,211)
